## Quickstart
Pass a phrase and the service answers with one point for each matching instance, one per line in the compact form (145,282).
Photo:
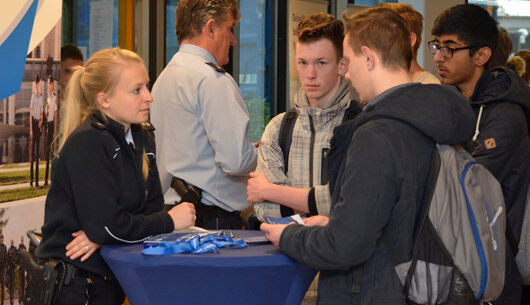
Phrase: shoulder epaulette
(216,67)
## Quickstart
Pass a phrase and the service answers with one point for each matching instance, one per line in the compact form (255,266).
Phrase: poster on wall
(30,46)
(101,23)
(298,9)
(16,218)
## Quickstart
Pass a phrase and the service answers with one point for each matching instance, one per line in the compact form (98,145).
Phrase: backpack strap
(284,141)
(287,127)
(286,135)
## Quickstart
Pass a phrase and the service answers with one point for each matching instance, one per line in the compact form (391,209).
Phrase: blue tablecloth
(259,274)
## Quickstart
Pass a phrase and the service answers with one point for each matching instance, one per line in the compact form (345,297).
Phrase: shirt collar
(196,50)
(129,137)
(385,93)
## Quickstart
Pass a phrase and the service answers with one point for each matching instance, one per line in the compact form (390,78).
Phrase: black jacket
(378,166)
(97,186)
(503,145)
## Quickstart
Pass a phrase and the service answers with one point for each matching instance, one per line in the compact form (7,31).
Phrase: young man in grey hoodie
(299,184)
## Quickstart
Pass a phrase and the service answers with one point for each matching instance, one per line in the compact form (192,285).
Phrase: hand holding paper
(273,232)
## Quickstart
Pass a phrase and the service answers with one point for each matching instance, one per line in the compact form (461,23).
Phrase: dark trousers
(11,285)
(526,295)
(91,289)
(21,283)
(34,157)
(2,284)
(215,218)
(48,147)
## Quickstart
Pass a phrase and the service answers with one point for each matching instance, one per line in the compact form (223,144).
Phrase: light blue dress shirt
(201,134)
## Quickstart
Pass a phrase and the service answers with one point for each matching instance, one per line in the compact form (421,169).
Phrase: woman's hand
(183,215)
(81,246)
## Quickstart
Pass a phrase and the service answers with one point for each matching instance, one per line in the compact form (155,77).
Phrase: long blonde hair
(100,74)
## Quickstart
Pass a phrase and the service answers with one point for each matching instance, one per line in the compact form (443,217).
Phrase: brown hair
(382,30)
(317,26)
(413,18)
(525,54)
(502,52)
(100,74)
(192,15)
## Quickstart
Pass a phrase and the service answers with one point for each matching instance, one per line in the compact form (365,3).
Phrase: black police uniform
(21,275)
(97,186)
(12,254)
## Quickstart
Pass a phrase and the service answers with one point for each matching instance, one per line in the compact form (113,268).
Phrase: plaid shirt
(270,156)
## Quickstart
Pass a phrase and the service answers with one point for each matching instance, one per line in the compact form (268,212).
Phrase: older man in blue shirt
(201,119)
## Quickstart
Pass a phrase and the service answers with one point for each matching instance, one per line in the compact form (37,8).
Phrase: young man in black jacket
(378,166)
(465,37)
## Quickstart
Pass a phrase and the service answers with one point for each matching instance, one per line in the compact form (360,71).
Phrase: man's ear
(209,27)
(343,66)
(413,39)
(103,100)
(369,57)
(481,56)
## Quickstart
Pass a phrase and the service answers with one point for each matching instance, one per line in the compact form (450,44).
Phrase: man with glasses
(465,37)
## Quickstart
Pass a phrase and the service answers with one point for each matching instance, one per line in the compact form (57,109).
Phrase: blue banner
(13,54)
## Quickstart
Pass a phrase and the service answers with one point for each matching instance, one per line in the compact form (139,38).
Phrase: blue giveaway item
(176,243)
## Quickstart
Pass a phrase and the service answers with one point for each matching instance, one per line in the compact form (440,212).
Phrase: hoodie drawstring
(475,136)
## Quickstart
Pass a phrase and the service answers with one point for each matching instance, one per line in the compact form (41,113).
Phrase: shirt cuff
(311,202)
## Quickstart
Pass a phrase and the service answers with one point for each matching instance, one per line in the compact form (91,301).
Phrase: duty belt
(187,193)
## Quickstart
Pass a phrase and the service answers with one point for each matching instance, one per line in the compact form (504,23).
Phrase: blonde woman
(105,187)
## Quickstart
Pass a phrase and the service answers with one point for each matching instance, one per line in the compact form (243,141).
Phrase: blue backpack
(458,254)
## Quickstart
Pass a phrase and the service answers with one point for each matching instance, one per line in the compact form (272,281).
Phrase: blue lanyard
(193,243)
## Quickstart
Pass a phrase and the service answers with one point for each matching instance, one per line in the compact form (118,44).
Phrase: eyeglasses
(447,52)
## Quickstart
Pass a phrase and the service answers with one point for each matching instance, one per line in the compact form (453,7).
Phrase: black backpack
(287,127)
(286,136)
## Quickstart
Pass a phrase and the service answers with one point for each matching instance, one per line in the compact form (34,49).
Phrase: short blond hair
(192,15)
(382,30)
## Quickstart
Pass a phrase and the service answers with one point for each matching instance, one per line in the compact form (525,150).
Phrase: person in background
(21,273)
(522,65)
(465,38)
(105,187)
(378,166)
(71,57)
(282,187)
(3,268)
(201,119)
(49,126)
(517,64)
(12,261)
(504,49)
(415,22)
(35,125)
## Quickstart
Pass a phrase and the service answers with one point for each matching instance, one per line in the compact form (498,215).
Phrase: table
(259,274)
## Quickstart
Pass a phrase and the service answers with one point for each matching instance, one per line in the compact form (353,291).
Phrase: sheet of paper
(284,220)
